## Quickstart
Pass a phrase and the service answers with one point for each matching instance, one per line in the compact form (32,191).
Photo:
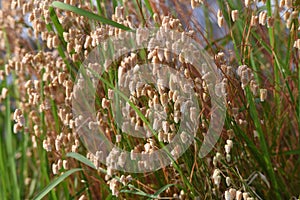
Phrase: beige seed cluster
(45,85)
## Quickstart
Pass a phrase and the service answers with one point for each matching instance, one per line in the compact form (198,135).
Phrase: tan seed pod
(164,99)
(160,54)
(65,164)
(167,55)
(17,114)
(184,137)
(17,127)
(88,42)
(234,15)
(165,126)
(227,195)
(270,22)
(55,41)
(228,157)
(119,12)
(194,4)
(245,195)
(238,195)
(263,94)
(262,18)
(286,15)
(160,136)
(220,21)
(118,138)
(49,42)
(59,164)
(294,14)
(297,44)
(54,169)
(4,93)
(247,3)
(281,3)
(232,191)
(254,20)
(289,3)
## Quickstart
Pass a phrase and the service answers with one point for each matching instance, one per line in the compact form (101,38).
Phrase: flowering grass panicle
(147,99)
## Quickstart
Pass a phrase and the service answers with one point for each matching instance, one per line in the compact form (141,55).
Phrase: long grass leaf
(54,183)
(82,159)
(88,14)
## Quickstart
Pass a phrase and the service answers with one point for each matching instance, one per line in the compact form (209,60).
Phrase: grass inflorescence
(46,49)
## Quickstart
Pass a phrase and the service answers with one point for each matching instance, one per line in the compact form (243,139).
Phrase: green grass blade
(88,14)
(54,183)
(163,189)
(82,159)
(148,6)
(138,192)
(263,142)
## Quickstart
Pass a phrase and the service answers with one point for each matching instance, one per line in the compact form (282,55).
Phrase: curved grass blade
(82,159)
(54,183)
(142,193)
(88,14)
(148,5)
(162,189)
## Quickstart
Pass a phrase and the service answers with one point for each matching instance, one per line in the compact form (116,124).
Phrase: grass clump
(45,45)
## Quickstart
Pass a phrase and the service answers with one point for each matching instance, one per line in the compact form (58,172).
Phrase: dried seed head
(17,127)
(164,99)
(247,3)
(297,44)
(227,195)
(118,138)
(228,181)
(286,15)
(229,143)
(254,20)
(160,54)
(193,114)
(289,3)
(228,157)
(217,180)
(238,195)
(254,87)
(220,21)
(165,126)
(263,94)
(161,136)
(176,151)
(184,137)
(82,197)
(227,148)
(59,164)
(57,144)
(263,18)
(194,4)
(245,195)
(4,93)
(234,15)
(232,191)
(49,42)
(270,22)
(55,41)
(281,3)
(119,12)
(54,169)
(17,114)
(105,103)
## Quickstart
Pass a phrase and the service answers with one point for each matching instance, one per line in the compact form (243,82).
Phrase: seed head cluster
(160,95)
